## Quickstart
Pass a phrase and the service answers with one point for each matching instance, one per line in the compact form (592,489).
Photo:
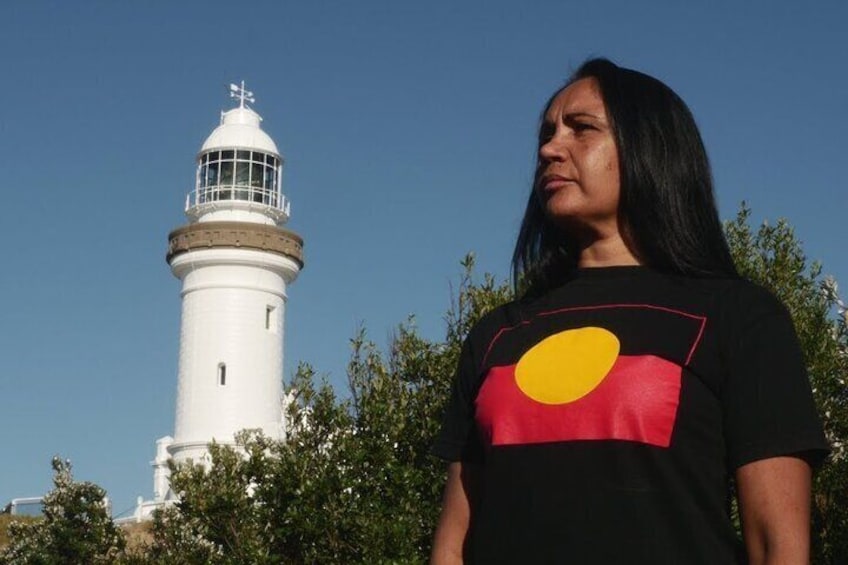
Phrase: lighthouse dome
(240,129)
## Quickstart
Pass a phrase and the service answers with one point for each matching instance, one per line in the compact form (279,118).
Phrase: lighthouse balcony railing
(239,193)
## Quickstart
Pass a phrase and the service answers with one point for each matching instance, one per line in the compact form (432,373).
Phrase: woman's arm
(449,539)
(774,504)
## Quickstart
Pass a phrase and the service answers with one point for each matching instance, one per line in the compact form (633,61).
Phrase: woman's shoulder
(741,298)
(735,294)
(737,306)
(491,322)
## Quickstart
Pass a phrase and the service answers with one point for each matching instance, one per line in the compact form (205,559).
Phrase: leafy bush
(76,527)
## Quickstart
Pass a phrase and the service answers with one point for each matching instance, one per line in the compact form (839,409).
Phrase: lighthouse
(235,261)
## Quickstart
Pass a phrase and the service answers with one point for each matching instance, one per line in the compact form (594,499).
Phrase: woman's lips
(555,182)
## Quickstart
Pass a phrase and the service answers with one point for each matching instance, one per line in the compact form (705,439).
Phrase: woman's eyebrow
(581,114)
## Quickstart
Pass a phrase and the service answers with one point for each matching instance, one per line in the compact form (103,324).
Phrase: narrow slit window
(270,319)
(222,374)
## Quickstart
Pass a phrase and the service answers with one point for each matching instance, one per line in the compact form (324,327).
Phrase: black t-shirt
(607,417)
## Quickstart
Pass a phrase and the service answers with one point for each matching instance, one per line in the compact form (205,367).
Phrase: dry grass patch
(5,520)
(138,535)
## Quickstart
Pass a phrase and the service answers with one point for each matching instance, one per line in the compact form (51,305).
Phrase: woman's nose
(553,150)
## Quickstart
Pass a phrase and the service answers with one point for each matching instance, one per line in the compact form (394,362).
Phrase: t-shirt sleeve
(767,400)
(458,439)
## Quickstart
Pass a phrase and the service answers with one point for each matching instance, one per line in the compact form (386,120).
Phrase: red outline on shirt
(504,329)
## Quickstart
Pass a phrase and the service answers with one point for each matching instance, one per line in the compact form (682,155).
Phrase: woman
(600,418)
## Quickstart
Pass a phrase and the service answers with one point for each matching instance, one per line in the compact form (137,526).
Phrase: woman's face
(578,178)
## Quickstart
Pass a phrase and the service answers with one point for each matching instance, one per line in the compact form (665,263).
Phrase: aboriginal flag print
(610,372)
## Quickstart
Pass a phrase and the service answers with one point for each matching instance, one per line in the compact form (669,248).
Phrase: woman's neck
(607,252)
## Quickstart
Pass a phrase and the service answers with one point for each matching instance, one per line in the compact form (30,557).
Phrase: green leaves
(76,527)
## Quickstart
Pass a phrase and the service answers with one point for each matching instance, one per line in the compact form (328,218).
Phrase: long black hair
(666,202)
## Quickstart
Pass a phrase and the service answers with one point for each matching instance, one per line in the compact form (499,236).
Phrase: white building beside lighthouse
(235,262)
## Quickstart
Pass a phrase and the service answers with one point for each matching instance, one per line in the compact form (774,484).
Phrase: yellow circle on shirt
(568,365)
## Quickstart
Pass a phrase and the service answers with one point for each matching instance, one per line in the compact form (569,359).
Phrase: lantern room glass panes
(238,175)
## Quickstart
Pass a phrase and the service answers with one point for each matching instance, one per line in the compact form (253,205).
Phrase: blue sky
(408,131)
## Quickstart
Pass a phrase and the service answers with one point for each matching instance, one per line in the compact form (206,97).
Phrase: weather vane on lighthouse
(241,94)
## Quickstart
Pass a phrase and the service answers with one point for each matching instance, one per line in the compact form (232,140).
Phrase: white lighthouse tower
(235,262)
